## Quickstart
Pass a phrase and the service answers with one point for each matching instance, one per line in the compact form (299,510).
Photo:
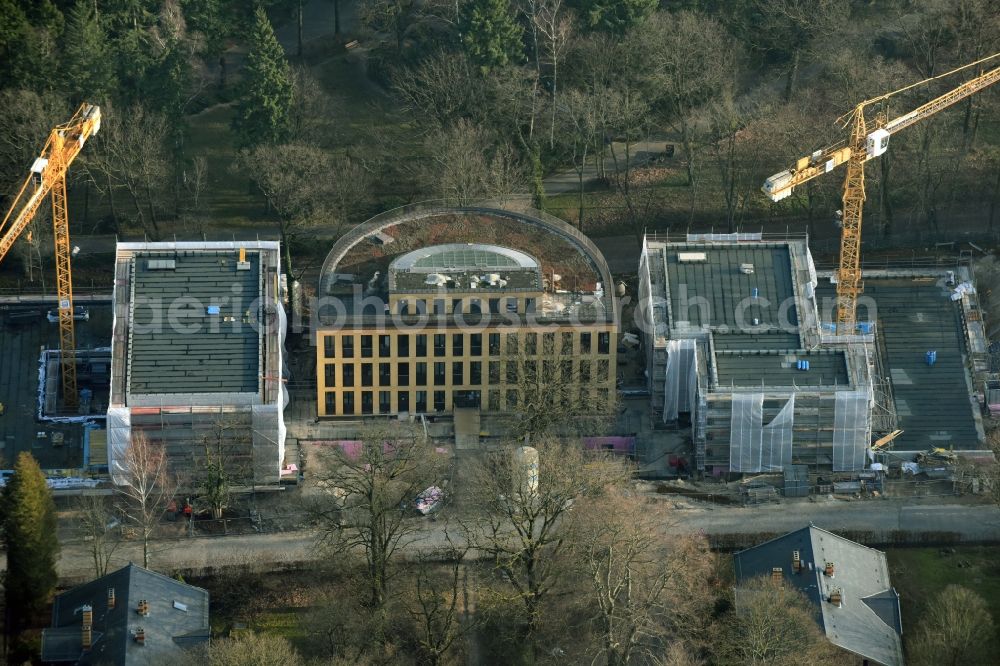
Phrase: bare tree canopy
(149,486)
(956,628)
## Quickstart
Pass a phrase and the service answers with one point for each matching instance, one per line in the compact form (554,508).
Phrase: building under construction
(196,357)
(737,347)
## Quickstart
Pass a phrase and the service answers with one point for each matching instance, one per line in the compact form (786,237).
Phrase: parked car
(429,500)
(80,313)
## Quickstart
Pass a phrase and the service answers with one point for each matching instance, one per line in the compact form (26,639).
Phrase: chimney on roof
(86,635)
(111,598)
(837,597)
(140,636)
(143,608)
(796,562)
(828,570)
(776,575)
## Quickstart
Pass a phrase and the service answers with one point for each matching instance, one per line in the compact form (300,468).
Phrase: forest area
(221,119)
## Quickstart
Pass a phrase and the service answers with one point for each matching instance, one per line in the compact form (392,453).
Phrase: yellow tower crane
(48,176)
(868,139)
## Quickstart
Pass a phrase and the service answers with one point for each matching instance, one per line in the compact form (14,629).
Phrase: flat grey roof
(177,346)
(933,403)
(711,292)
(779,369)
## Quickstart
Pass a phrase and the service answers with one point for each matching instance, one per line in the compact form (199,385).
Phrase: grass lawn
(920,573)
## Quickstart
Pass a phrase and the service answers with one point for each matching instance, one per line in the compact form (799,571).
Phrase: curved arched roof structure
(425,213)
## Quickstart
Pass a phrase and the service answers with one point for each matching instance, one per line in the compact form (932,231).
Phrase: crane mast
(863,144)
(48,178)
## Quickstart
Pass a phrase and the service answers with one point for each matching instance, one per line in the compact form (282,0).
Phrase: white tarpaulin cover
(119,436)
(851,431)
(753,446)
(681,381)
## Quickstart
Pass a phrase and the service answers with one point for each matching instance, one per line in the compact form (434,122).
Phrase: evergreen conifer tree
(263,113)
(29,533)
(87,62)
(490,33)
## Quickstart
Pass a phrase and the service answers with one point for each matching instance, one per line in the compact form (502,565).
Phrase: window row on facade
(345,345)
(496,400)
(388,374)
(415,305)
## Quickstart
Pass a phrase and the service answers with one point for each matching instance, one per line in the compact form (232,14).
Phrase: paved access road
(974,522)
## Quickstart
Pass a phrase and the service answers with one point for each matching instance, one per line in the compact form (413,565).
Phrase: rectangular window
(438,401)
(348,404)
(547,371)
(512,344)
(348,376)
(603,368)
(440,340)
(511,399)
(403,398)
(456,306)
(585,343)
(402,307)
(330,375)
(603,397)
(512,305)
(403,345)
(457,373)
(384,402)
(347,346)
(494,344)
(494,306)
(531,344)
(384,374)
(531,371)
(567,370)
(367,378)
(421,344)
(511,372)
(367,351)
(494,400)
(329,346)
(603,343)
(548,343)
(476,344)
(421,374)
(421,405)
(530,305)
(584,371)
(475,306)
(567,344)
(384,348)
(367,404)
(476,373)
(458,344)
(439,373)
(439,306)
(494,372)
(402,374)
(330,403)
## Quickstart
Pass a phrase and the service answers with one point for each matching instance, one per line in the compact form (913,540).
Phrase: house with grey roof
(847,584)
(197,356)
(130,617)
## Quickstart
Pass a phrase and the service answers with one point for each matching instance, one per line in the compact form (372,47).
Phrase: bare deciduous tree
(131,154)
(955,629)
(149,486)
(365,499)
(645,587)
(527,529)
(468,165)
(101,532)
(772,624)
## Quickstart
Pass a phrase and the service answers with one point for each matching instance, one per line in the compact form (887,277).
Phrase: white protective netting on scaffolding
(753,446)
(681,381)
(119,436)
(851,430)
